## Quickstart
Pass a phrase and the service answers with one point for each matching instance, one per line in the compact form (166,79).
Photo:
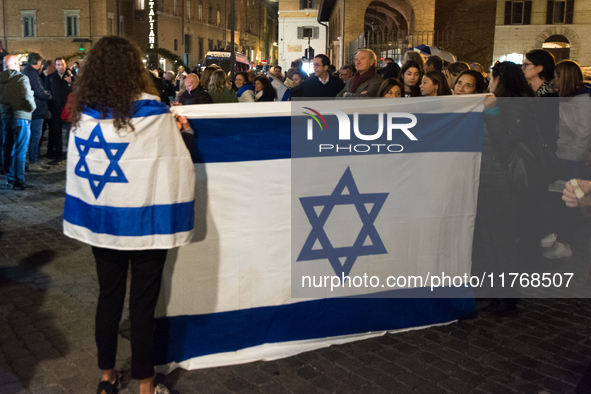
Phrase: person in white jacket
(574,141)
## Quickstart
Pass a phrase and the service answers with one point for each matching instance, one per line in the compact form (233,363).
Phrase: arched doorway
(558,45)
(385,26)
(380,16)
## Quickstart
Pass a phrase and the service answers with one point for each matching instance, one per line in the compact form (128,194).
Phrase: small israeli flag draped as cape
(130,190)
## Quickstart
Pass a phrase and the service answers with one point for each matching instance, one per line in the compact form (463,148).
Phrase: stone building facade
(389,27)
(298,26)
(186,28)
(561,26)
(350,21)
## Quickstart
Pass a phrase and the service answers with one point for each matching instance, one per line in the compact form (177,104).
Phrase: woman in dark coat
(264,91)
(509,121)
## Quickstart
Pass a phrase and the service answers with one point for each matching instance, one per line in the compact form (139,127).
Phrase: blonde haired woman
(206,75)
(218,90)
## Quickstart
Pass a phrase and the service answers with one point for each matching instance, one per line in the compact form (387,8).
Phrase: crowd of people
(33,98)
(512,221)
(416,77)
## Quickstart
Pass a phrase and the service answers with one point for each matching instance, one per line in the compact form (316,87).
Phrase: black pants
(146,276)
(496,246)
(55,138)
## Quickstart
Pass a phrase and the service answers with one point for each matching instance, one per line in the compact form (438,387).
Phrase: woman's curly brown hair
(112,78)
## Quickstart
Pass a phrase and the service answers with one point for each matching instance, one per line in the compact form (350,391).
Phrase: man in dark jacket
(16,105)
(169,88)
(158,84)
(322,84)
(194,92)
(59,85)
(390,70)
(41,99)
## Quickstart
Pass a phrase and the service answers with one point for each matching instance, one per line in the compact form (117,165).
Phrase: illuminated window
(140,4)
(219,18)
(200,11)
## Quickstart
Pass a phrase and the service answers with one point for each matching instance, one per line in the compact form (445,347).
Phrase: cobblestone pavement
(48,292)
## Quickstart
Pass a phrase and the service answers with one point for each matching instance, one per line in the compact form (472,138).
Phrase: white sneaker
(160,389)
(548,241)
(558,251)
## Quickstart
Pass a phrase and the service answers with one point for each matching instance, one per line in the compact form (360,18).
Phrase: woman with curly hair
(218,90)
(264,91)
(129,194)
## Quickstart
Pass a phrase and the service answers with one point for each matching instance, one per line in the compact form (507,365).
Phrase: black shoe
(105,387)
(55,162)
(6,186)
(498,308)
(22,186)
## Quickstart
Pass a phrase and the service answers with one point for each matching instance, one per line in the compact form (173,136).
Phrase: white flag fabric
(282,90)
(231,297)
(130,190)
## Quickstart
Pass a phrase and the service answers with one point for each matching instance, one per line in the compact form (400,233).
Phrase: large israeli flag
(388,189)
(268,214)
(129,190)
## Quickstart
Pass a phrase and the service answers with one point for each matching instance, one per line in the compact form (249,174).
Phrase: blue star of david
(113,150)
(368,230)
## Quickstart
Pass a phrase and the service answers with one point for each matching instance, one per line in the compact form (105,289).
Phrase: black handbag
(533,163)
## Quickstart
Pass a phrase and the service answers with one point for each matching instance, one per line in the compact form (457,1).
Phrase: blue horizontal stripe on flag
(142,108)
(133,222)
(270,138)
(228,140)
(181,338)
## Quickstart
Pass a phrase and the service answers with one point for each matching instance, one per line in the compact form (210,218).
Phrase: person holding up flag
(130,194)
